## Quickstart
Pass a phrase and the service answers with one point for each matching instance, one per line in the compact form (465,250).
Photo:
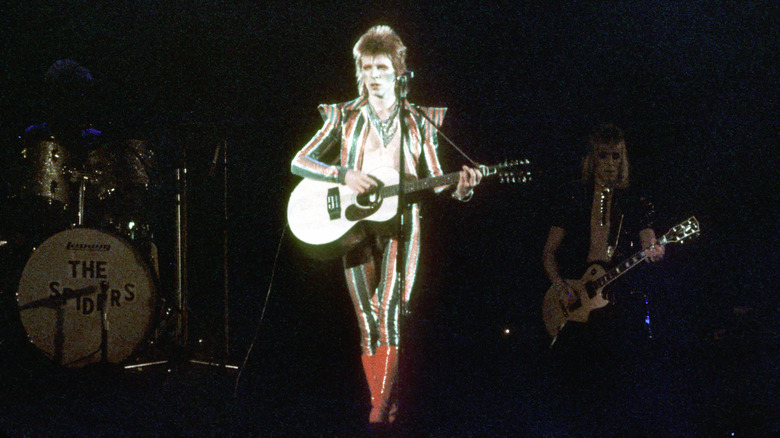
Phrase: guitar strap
(440,133)
(614,233)
(614,239)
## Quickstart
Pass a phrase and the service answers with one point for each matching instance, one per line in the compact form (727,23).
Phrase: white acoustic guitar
(321,213)
(587,294)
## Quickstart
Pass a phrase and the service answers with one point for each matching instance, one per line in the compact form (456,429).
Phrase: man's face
(607,163)
(378,75)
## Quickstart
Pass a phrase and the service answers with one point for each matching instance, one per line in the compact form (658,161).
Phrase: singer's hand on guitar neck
(468,179)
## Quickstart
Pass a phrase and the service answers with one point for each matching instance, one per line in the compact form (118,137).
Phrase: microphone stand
(401,92)
(225,248)
(223,357)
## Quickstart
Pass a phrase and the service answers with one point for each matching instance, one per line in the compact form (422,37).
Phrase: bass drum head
(86,296)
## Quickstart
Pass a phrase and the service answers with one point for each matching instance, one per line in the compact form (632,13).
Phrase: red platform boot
(381,373)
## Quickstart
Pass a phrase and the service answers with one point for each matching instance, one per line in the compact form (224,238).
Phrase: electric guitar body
(578,298)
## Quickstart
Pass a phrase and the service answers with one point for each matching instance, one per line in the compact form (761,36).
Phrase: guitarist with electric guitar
(595,221)
(599,348)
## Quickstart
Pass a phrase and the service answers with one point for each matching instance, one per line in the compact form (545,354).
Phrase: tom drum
(45,177)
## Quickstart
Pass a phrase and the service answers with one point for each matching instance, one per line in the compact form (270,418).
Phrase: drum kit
(86,275)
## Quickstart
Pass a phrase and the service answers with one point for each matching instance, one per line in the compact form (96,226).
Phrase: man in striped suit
(360,136)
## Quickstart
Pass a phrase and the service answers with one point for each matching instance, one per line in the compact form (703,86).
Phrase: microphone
(402,84)
(408,74)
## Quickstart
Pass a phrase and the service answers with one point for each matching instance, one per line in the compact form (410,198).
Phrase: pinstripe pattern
(375,290)
(339,143)
(359,282)
(373,284)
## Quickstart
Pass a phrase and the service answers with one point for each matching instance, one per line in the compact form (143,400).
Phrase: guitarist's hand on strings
(468,179)
(565,291)
(359,182)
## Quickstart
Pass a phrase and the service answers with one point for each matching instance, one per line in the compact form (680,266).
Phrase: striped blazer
(339,144)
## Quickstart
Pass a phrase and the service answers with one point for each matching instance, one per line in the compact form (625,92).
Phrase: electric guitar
(587,294)
(321,213)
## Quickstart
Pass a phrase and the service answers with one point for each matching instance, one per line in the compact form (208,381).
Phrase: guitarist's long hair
(606,135)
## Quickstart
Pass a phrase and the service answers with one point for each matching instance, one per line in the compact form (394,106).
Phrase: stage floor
(455,386)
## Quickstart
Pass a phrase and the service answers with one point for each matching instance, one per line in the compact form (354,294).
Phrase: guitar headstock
(682,231)
(514,172)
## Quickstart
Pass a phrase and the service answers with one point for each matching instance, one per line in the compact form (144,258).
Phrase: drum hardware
(82,179)
(176,311)
(85,178)
(103,305)
(181,309)
(130,229)
(56,301)
(181,252)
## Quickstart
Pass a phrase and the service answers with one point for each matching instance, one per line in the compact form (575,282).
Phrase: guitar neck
(432,182)
(429,183)
(623,267)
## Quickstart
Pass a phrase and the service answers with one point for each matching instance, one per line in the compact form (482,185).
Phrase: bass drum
(86,296)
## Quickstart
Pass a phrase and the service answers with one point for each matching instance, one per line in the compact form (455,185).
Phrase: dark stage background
(693,84)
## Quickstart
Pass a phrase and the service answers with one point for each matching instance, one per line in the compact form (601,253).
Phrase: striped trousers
(373,281)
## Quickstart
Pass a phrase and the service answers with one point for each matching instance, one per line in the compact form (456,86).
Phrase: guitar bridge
(333,202)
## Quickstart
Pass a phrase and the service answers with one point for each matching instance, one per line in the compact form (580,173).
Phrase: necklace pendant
(386,128)
(603,206)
